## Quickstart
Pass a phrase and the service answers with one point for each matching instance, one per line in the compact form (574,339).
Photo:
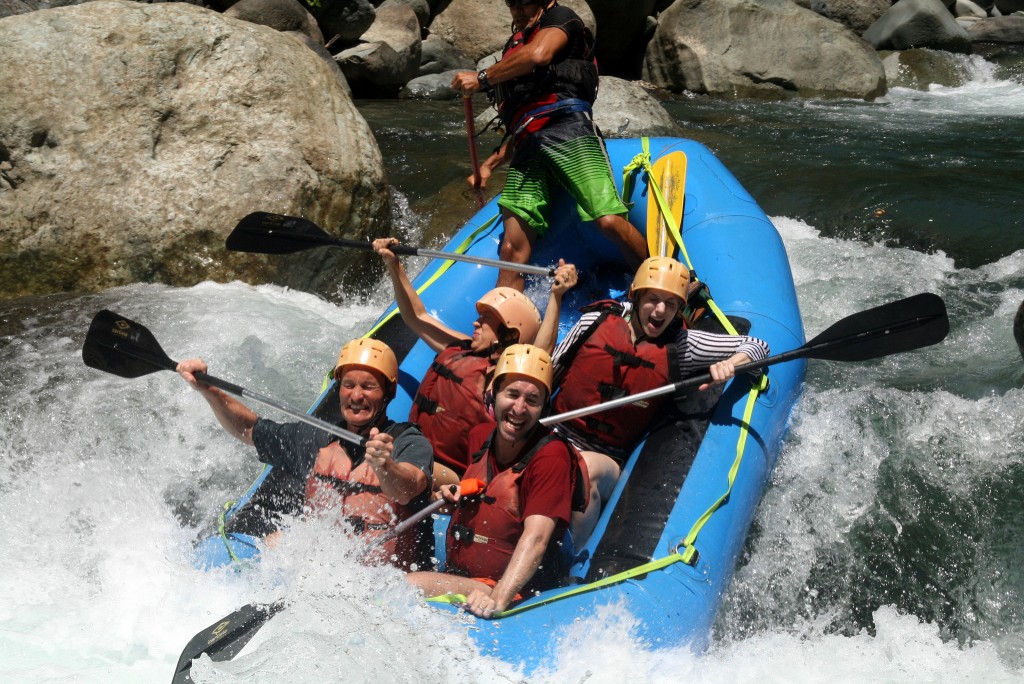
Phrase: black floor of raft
(650,494)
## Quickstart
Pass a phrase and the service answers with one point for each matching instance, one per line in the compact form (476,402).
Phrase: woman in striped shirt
(622,348)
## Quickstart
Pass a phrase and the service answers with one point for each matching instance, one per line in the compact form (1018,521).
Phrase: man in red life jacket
(374,487)
(545,85)
(619,349)
(504,541)
(452,395)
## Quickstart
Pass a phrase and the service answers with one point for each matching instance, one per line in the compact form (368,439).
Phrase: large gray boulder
(759,49)
(388,55)
(856,15)
(921,68)
(8,8)
(624,109)
(134,137)
(282,15)
(291,17)
(11,7)
(1006,30)
(918,24)
(438,56)
(430,87)
(343,20)
(422,10)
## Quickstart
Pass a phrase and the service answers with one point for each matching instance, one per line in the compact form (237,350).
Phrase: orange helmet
(664,274)
(369,354)
(525,359)
(514,310)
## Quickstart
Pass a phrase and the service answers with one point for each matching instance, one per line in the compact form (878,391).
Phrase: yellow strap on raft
(642,161)
(222,530)
(670,221)
(689,555)
(575,591)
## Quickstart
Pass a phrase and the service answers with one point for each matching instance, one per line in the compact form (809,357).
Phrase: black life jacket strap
(428,406)
(623,358)
(445,372)
(598,425)
(609,392)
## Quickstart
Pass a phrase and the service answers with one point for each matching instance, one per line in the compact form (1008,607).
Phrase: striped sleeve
(698,350)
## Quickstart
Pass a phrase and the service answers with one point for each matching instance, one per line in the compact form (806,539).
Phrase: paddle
(263,233)
(891,328)
(127,349)
(224,639)
(467,105)
(668,174)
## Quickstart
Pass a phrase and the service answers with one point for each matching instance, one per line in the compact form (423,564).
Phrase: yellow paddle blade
(669,173)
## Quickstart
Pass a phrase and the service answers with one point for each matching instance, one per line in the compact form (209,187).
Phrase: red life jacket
(484,532)
(450,402)
(364,505)
(527,97)
(606,365)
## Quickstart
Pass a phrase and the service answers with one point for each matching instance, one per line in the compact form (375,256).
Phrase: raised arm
(399,481)
(433,332)
(565,279)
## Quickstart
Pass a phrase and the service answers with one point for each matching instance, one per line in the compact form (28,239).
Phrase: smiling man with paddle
(374,484)
(544,86)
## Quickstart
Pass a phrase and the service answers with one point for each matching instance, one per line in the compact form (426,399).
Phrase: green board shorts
(579,165)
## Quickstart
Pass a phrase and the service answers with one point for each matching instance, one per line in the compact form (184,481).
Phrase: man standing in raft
(618,349)
(451,398)
(505,538)
(544,86)
(376,486)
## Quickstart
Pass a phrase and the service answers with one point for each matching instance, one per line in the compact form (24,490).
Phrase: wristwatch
(482,77)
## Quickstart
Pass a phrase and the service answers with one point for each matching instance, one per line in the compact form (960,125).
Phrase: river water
(887,547)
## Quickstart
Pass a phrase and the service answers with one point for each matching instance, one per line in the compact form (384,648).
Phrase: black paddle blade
(892,328)
(263,233)
(118,345)
(225,638)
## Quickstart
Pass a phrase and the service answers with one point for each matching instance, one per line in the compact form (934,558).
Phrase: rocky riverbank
(133,136)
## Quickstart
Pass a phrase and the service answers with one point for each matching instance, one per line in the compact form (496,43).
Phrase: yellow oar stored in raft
(669,176)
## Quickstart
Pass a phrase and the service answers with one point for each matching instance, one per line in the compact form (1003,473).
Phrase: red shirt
(545,486)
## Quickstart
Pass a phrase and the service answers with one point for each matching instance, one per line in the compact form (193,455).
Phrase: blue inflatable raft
(669,538)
